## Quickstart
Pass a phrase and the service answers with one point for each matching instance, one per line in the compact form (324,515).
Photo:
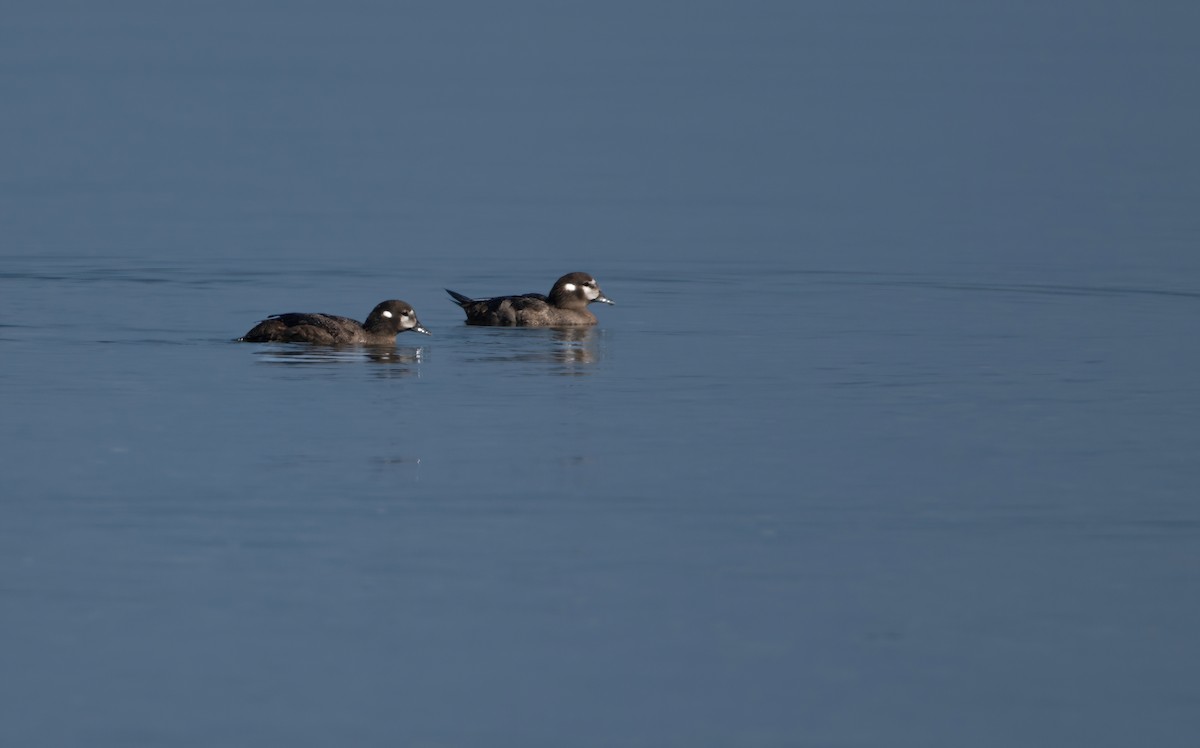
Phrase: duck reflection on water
(299,354)
(567,347)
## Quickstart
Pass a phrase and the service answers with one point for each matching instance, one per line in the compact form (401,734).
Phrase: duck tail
(459,298)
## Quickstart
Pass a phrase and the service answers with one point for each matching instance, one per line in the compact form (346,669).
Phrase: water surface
(890,439)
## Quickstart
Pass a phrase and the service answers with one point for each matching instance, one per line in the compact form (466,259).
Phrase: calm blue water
(890,440)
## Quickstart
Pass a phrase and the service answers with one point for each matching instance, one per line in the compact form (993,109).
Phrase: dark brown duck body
(565,305)
(387,320)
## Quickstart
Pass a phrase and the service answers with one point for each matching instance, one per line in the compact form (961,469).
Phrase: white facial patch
(387,313)
(591,292)
(569,286)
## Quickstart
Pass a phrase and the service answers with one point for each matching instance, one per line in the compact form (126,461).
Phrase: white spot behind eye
(569,286)
(387,313)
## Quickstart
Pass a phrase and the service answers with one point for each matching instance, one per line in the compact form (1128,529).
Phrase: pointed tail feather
(459,298)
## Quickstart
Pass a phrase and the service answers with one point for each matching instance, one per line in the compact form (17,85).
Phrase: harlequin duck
(387,320)
(566,305)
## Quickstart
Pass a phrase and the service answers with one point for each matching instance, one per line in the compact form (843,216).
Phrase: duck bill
(603,300)
(421,330)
